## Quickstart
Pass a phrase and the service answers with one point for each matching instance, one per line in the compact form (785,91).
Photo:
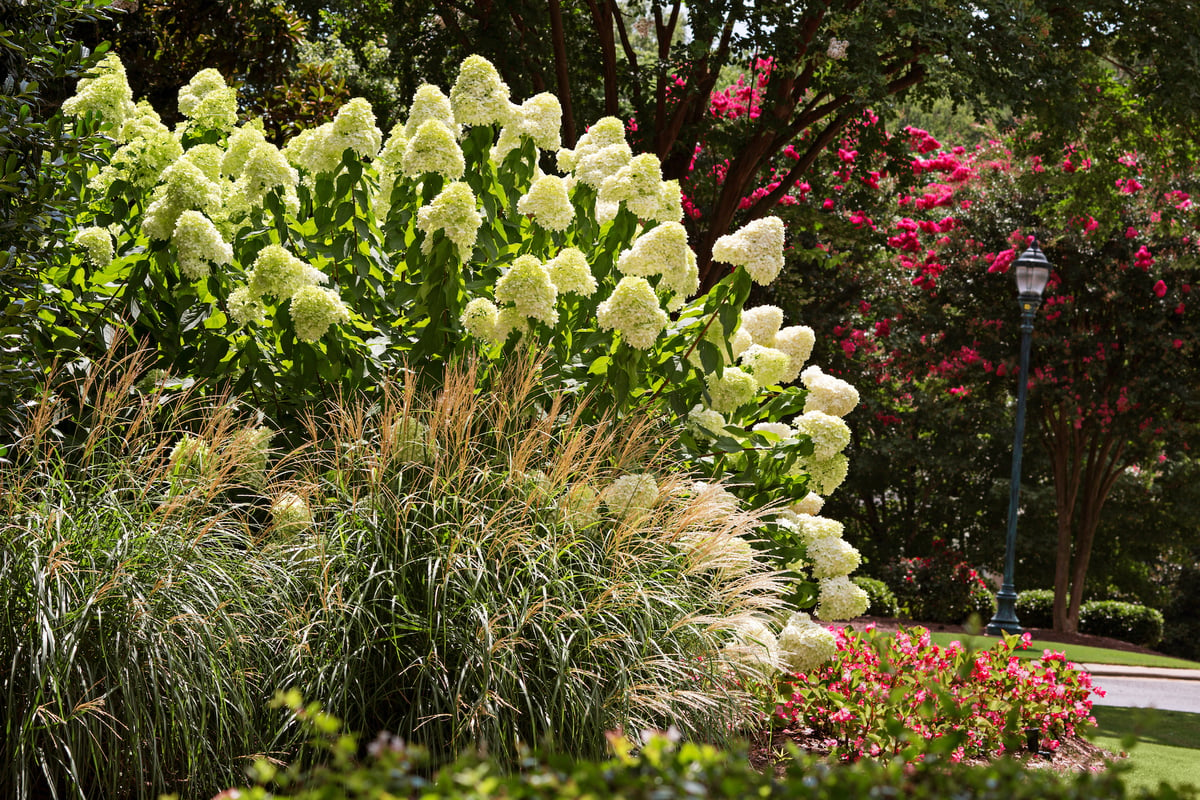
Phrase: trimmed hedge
(1129,622)
(882,599)
(1035,608)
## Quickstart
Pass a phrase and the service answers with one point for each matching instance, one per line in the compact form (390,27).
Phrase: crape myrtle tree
(1113,384)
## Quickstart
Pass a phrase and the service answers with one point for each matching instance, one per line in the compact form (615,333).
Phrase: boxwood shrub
(1035,608)
(1129,622)
(882,599)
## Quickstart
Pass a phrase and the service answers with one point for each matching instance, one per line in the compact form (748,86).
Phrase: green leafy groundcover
(662,769)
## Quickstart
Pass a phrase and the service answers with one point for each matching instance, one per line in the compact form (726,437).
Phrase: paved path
(1146,687)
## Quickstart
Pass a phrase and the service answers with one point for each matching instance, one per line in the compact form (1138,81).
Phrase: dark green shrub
(1181,625)
(1128,622)
(941,587)
(882,599)
(1035,608)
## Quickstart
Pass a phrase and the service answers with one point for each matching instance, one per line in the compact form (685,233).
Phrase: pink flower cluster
(881,694)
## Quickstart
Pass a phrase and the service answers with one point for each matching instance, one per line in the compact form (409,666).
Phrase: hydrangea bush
(290,274)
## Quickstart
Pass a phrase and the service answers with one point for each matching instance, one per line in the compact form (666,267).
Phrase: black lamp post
(1033,271)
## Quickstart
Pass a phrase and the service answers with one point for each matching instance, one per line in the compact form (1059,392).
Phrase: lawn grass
(1167,747)
(1081,654)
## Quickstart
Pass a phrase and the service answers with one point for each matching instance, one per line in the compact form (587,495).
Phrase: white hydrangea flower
(832,557)
(827,475)
(797,341)
(509,320)
(540,119)
(605,132)
(140,161)
(762,323)
(249,449)
(208,101)
(810,505)
(706,422)
(718,496)
(633,311)
(143,122)
(571,274)
(479,318)
(388,161)
(453,211)
(308,150)
(510,139)
(829,434)
(754,648)
(840,598)
(757,246)
(813,528)
(245,308)
(354,129)
(780,429)
(241,142)
(190,456)
(159,220)
(207,157)
(266,169)
(410,440)
(804,645)
(631,495)
(766,364)
(638,184)
(278,273)
(186,186)
(428,103)
(579,506)
(741,341)
(479,96)
(663,250)
(290,514)
(827,393)
(433,149)
(97,244)
(526,285)
(314,309)
(547,201)
(730,391)
(670,203)
(199,243)
(593,168)
(105,92)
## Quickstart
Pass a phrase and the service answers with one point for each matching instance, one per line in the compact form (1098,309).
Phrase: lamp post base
(1005,619)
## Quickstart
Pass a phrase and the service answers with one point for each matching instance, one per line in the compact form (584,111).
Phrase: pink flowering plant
(885,695)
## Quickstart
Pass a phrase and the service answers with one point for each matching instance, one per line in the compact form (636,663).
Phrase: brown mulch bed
(1072,755)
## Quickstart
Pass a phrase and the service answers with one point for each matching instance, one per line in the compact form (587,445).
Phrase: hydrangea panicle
(571,274)
(548,202)
(479,96)
(757,246)
(97,244)
(632,310)
(526,285)
(453,211)
(314,309)
(826,393)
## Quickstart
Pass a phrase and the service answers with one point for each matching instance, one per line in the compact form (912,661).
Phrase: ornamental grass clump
(520,577)
(142,616)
